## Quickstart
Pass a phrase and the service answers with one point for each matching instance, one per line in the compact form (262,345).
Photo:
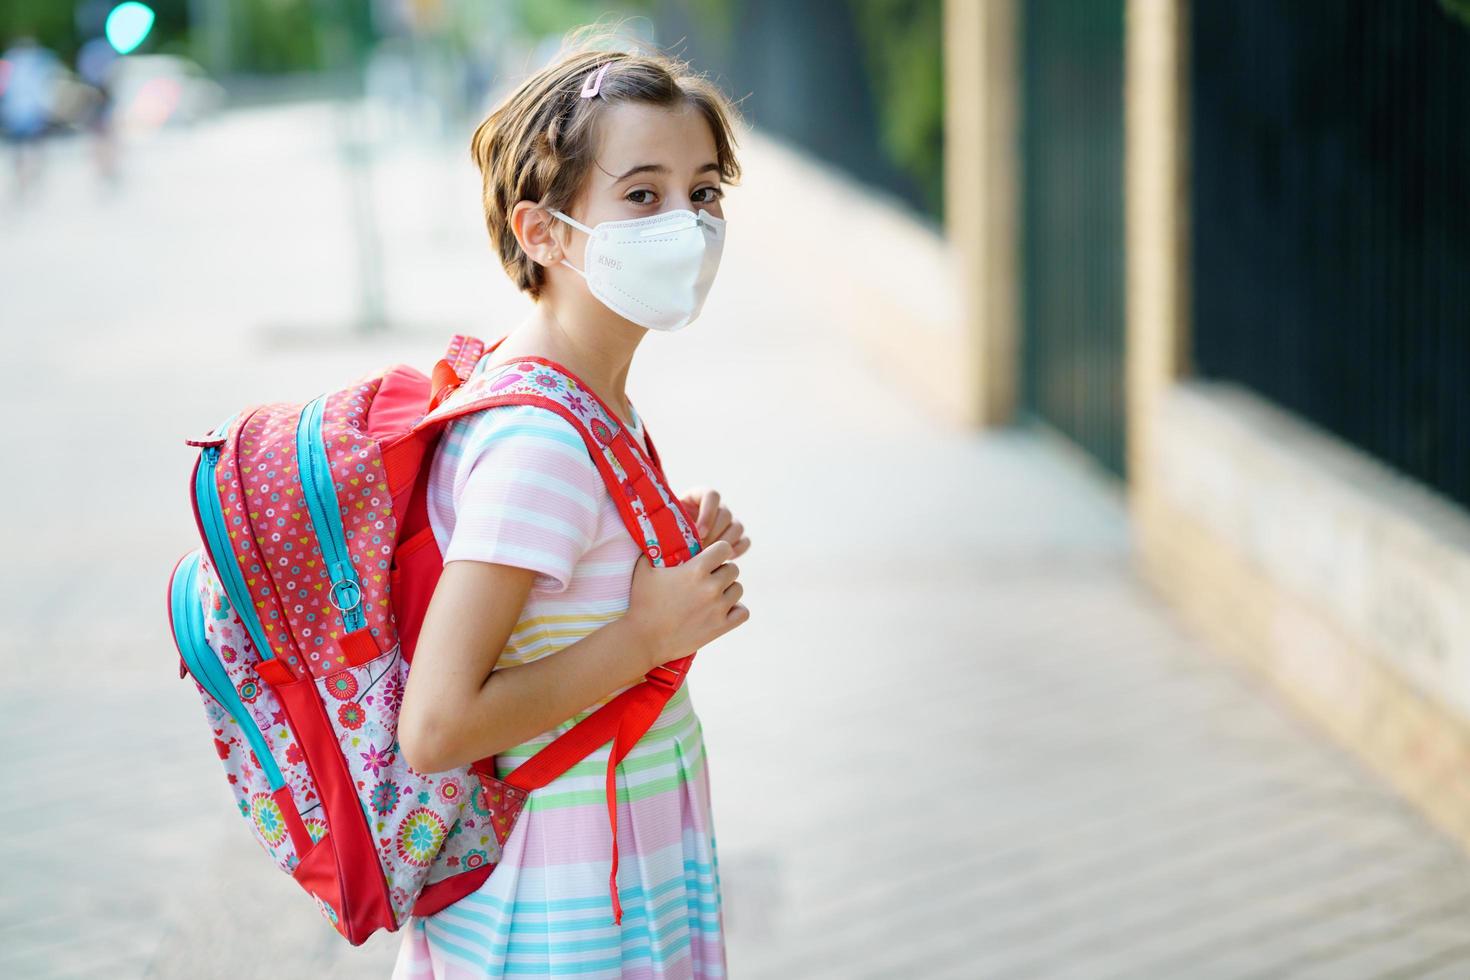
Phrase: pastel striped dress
(515,485)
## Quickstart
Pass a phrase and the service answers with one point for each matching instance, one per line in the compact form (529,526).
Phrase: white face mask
(655,271)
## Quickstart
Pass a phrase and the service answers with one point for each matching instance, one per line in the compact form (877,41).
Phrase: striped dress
(514,484)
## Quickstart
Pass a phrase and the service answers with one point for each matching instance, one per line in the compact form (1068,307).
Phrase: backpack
(298,613)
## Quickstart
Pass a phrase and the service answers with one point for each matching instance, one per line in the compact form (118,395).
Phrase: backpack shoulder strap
(464,353)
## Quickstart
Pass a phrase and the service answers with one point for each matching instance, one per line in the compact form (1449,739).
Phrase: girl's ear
(532,226)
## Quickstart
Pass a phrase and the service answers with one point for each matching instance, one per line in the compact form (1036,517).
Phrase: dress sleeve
(530,494)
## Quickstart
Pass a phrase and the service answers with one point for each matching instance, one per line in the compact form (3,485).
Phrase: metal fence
(1072,222)
(1330,201)
(804,71)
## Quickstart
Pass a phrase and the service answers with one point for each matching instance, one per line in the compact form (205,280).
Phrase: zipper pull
(344,593)
(216,437)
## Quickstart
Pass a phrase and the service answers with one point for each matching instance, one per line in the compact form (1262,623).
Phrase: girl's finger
(709,505)
(722,524)
(690,500)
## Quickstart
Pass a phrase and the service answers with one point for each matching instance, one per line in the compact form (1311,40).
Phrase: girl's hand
(679,609)
(715,522)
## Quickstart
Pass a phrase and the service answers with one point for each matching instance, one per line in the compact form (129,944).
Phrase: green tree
(1458,8)
(902,50)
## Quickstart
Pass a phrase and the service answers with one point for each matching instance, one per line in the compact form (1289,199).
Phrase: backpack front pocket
(411,814)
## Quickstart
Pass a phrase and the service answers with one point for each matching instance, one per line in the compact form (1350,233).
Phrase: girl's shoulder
(526,455)
(522,422)
(520,488)
(470,434)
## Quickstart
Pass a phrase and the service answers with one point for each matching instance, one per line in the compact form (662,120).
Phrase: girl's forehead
(635,133)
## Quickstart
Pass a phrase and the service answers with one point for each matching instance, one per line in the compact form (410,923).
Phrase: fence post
(981,193)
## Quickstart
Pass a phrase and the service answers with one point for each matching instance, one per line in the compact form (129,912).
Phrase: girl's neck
(600,358)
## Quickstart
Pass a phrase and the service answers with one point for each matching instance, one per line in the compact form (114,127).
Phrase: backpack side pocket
(239,710)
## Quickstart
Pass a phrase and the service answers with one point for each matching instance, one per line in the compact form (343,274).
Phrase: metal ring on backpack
(356,595)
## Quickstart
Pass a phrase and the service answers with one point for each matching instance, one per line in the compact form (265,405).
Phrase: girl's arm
(456,711)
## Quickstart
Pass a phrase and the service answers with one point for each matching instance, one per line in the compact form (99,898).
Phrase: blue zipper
(188,619)
(221,554)
(326,514)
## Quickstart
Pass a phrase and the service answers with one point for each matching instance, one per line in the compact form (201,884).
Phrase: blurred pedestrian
(96,62)
(26,105)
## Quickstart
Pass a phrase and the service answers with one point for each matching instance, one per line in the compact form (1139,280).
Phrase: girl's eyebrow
(659,168)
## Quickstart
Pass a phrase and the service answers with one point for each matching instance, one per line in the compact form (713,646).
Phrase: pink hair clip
(594,85)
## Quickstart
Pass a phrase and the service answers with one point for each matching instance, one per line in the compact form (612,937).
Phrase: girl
(539,563)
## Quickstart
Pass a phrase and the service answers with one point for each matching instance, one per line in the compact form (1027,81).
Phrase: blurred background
(1090,376)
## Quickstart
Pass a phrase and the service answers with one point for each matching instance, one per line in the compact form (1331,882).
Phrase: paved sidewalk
(957,737)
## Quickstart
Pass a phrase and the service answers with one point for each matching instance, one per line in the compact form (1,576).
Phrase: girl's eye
(630,194)
(718,191)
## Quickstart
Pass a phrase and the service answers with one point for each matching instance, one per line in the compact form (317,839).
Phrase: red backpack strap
(464,353)
(455,367)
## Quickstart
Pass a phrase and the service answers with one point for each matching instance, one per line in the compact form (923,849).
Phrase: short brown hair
(539,143)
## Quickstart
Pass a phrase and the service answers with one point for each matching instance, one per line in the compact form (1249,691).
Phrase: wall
(1343,583)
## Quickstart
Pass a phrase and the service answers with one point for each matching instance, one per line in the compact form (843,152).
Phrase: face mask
(654,271)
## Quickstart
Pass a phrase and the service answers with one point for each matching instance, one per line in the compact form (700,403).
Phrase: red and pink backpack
(297,616)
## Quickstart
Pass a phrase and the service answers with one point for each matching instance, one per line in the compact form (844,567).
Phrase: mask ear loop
(576,224)
(570,220)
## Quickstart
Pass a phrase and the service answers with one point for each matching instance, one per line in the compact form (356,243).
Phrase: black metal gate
(1331,219)
(1072,222)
